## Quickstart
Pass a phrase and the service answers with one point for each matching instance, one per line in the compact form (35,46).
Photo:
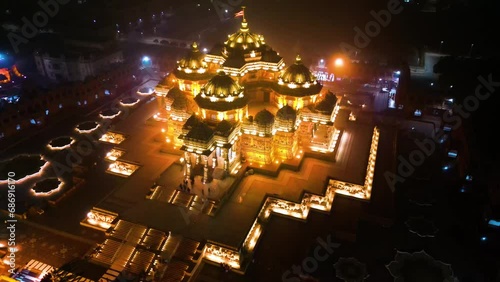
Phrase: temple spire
(298,59)
(244,24)
(194,46)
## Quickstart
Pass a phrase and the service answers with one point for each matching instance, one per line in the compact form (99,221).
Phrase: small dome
(264,117)
(175,93)
(180,103)
(327,104)
(193,60)
(222,86)
(297,73)
(192,122)
(286,113)
(223,127)
(200,132)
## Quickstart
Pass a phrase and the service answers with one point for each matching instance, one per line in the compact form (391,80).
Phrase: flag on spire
(240,14)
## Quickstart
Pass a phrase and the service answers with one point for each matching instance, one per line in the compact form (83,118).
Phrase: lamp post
(339,65)
(441,46)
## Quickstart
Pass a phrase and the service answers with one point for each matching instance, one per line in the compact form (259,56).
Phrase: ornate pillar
(198,158)
(205,169)
(225,155)
(214,161)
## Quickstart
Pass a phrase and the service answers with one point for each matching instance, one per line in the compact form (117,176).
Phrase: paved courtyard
(231,223)
(54,249)
(235,217)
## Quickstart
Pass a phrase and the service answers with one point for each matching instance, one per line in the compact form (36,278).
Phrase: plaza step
(186,250)
(175,272)
(170,246)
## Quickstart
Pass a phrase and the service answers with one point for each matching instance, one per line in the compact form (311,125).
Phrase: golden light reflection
(112,137)
(122,168)
(361,191)
(99,219)
(114,154)
(220,254)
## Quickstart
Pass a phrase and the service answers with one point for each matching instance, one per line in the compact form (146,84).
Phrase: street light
(339,62)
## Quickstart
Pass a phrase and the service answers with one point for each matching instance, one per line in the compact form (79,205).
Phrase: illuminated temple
(239,102)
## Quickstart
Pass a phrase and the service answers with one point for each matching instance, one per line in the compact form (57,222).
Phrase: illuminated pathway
(298,210)
(294,208)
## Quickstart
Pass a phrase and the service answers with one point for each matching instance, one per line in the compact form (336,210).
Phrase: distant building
(77,61)
(321,72)
(34,106)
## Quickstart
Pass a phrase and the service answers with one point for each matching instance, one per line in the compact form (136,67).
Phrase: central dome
(222,86)
(243,41)
(297,73)
(193,60)
(221,93)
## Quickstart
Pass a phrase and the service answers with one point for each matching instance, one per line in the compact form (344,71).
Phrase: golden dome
(297,74)
(194,60)
(243,40)
(221,93)
(222,86)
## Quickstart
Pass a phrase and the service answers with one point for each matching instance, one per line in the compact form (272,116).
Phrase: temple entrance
(198,171)
(321,135)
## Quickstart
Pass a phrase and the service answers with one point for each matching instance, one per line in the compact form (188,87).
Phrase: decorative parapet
(221,254)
